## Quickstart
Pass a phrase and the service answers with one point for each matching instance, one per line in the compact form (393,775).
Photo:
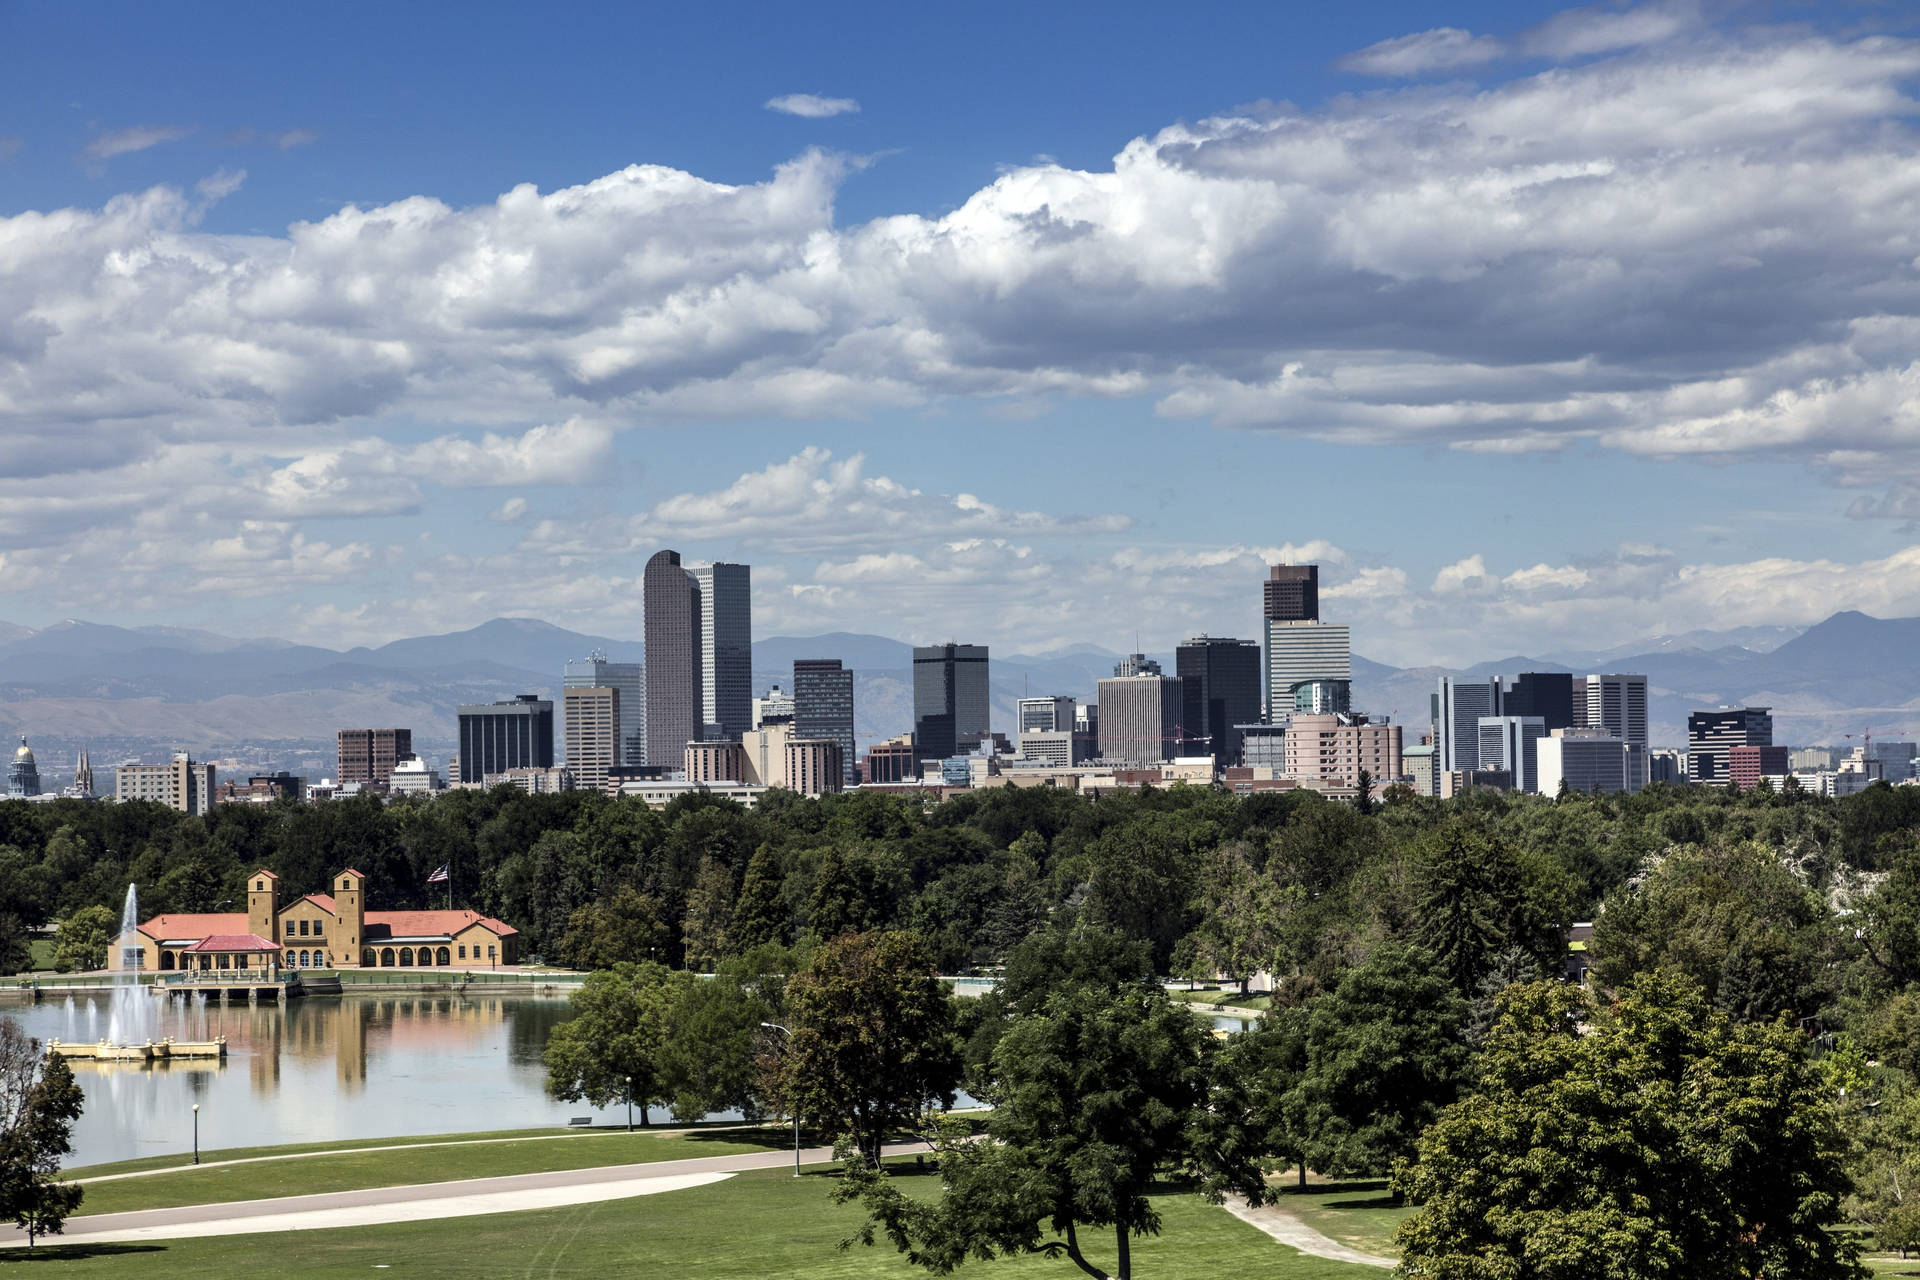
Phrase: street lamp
(196,1133)
(774,1026)
(629,1104)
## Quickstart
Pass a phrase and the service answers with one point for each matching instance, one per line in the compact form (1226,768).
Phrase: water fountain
(130,1009)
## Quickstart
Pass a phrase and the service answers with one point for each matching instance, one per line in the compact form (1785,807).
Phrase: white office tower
(1046,715)
(1617,704)
(630,678)
(775,706)
(1301,651)
(1586,760)
(1510,744)
(1458,707)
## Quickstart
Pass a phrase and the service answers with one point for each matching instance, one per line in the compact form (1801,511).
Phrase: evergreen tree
(761,917)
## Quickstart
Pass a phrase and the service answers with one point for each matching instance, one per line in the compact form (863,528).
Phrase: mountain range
(246,703)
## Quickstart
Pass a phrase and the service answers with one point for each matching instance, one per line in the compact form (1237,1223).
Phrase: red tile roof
(325,901)
(190,925)
(234,942)
(431,924)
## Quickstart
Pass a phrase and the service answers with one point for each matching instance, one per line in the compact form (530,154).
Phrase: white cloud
(811,105)
(1441,49)
(1465,575)
(510,511)
(120,142)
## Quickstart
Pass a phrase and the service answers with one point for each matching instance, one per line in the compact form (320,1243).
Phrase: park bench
(580,1122)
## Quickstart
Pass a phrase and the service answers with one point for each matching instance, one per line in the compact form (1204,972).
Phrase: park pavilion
(324,931)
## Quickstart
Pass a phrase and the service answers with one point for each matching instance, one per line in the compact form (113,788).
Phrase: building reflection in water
(410,1064)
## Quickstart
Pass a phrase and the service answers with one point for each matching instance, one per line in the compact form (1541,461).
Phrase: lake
(314,1070)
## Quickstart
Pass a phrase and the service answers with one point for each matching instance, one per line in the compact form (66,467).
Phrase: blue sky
(1542,331)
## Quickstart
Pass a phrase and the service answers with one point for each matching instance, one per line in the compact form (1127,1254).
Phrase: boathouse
(324,931)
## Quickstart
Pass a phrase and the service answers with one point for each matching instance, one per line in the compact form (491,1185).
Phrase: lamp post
(774,1026)
(196,1133)
(629,1104)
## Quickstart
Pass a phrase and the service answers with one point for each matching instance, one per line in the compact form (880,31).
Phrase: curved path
(424,1200)
(1289,1230)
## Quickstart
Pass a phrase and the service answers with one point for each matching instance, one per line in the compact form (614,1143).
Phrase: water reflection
(315,1070)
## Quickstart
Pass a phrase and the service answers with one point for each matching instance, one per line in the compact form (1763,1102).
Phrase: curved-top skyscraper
(672,602)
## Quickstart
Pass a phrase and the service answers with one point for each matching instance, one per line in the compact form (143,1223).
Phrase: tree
(709,915)
(761,915)
(39,1102)
(711,1052)
(1655,1140)
(1096,1096)
(1477,897)
(1386,1051)
(613,1047)
(626,929)
(84,939)
(1363,794)
(873,1038)
(16,956)
(1264,1067)
(1242,911)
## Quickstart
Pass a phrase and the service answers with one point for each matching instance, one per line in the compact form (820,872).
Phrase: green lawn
(41,949)
(1360,1215)
(414,1164)
(1895,1266)
(759,1224)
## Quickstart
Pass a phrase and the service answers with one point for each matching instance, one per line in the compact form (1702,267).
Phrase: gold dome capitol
(23,755)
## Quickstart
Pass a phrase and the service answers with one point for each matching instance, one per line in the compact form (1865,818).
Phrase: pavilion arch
(406,957)
(443,956)
(166,959)
(368,960)
(386,957)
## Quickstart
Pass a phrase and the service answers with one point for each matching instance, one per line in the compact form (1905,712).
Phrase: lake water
(315,1070)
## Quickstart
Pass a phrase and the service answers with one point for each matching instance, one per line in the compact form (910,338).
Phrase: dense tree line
(1415,945)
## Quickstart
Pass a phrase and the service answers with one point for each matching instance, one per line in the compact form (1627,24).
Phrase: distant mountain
(145,691)
(1753,639)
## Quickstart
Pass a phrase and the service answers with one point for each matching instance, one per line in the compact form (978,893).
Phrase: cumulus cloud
(120,142)
(811,105)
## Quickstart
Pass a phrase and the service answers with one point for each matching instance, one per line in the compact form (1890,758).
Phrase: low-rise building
(331,930)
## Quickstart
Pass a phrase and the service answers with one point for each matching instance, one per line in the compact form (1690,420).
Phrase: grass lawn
(1360,1215)
(756,1224)
(1895,1266)
(413,1165)
(41,949)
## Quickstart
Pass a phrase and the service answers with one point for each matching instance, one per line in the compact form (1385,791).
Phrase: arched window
(166,959)
(444,957)
(306,959)
(406,957)
(386,957)
(367,960)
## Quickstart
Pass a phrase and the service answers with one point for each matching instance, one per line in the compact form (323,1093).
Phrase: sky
(1540,331)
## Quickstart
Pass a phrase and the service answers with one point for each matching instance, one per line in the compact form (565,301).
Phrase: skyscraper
(1298,645)
(950,699)
(1458,708)
(594,734)
(1712,734)
(1291,593)
(823,707)
(1511,743)
(674,666)
(498,736)
(1618,704)
(1546,694)
(1140,718)
(367,756)
(1045,715)
(630,678)
(1228,674)
(726,649)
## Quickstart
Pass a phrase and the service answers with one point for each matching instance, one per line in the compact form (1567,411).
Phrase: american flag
(439,876)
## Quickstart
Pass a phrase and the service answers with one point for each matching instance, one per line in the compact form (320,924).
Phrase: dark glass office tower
(1227,675)
(672,601)
(823,706)
(725,593)
(1711,735)
(1547,694)
(497,736)
(950,699)
(1292,593)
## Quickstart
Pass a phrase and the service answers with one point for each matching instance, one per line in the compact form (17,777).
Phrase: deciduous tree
(873,1043)
(84,939)
(613,1047)
(39,1102)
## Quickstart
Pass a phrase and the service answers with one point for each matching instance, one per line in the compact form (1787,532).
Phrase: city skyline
(361,468)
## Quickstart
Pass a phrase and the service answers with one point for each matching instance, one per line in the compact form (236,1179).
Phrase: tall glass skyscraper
(950,699)
(823,706)
(726,649)
(672,603)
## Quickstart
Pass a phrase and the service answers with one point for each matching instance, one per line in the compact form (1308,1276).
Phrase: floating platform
(162,1051)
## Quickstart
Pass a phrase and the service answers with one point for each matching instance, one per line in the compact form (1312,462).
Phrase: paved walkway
(464,1198)
(573,1136)
(1289,1230)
